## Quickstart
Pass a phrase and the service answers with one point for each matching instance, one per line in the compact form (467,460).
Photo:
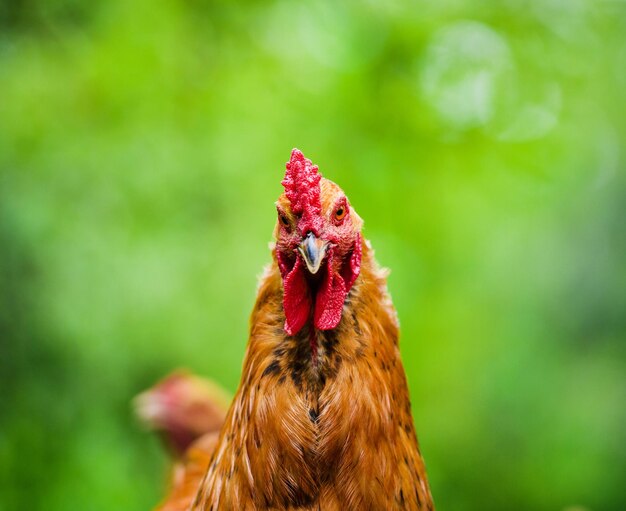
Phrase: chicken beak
(313,251)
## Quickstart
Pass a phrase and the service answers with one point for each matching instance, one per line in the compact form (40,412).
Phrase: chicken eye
(283,220)
(340,213)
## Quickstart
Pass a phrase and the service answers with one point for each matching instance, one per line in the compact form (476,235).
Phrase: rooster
(322,418)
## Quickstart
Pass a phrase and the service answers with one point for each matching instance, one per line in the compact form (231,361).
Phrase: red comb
(302,185)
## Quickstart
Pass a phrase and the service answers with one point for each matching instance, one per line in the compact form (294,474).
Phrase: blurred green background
(142,146)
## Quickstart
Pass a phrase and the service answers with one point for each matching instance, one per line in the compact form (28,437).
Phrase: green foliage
(141,149)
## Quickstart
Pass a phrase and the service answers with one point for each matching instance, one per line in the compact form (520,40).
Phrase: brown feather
(333,434)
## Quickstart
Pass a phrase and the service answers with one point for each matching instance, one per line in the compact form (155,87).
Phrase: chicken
(182,408)
(322,418)
(188,413)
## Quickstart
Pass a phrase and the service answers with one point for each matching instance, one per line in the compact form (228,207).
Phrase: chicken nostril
(311,233)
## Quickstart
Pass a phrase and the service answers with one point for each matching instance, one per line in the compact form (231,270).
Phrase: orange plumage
(322,419)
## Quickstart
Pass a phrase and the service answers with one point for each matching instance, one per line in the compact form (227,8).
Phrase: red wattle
(330,297)
(329,300)
(332,294)
(296,299)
